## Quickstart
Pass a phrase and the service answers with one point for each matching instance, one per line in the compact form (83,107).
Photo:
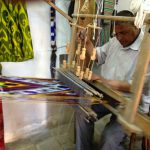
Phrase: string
(142,8)
(115,13)
(100,8)
(7,98)
(67,44)
(86,32)
(74,59)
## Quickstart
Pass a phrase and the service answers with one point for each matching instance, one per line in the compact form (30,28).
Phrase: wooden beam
(73,35)
(59,10)
(114,18)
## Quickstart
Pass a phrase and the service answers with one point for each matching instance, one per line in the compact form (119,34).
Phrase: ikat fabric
(15,37)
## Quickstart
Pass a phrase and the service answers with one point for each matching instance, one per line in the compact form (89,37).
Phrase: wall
(62,29)
(123,5)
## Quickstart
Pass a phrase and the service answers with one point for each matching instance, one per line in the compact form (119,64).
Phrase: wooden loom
(128,115)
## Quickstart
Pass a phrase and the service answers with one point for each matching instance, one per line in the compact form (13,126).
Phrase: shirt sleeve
(102,53)
(145,103)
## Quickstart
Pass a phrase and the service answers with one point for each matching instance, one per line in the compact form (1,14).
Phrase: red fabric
(1,128)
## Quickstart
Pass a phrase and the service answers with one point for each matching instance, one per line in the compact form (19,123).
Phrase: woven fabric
(15,38)
(105,34)
(108,8)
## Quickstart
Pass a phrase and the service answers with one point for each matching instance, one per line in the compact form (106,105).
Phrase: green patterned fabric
(108,8)
(105,34)
(15,38)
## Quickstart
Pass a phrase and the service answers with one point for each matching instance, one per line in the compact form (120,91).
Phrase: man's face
(126,34)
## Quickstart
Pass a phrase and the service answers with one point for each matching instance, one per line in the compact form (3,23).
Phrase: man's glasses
(122,33)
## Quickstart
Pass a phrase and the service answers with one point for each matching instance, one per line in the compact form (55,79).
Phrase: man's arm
(83,38)
(119,85)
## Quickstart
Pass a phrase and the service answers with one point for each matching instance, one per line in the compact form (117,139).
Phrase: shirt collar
(136,44)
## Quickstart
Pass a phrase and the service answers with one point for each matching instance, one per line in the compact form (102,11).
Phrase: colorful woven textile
(105,34)
(109,7)
(16,85)
(39,90)
(15,38)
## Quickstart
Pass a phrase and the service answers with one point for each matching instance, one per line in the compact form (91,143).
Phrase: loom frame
(129,117)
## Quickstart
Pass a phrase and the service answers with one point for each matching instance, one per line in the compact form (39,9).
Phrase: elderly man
(118,60)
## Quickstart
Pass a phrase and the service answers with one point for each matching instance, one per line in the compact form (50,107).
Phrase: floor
(61,138)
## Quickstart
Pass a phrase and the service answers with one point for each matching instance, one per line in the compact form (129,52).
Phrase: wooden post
(80,22)
(73,34)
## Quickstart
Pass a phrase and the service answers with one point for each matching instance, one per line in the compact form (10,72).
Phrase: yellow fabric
(15,38)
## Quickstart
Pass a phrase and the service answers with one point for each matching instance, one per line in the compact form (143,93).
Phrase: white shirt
(118,63)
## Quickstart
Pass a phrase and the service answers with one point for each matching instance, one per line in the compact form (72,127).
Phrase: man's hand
(113,84)
(97,77)
(82,36)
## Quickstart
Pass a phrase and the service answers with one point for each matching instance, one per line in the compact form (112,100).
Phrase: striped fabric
(108,8)
(105,34)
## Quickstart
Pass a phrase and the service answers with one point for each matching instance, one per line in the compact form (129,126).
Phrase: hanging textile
(108,8)
(15,38)
(53,41)
(105,34)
